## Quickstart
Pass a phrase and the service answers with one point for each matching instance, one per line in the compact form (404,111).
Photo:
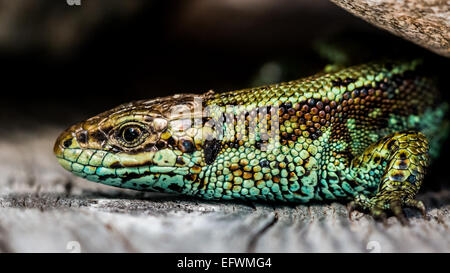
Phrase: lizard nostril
(67,143)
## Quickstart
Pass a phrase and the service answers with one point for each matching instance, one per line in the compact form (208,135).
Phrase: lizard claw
(396,208)
(417,204)
(378,213)
(351,207)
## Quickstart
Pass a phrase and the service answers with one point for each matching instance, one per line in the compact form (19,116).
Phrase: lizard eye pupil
(130,134)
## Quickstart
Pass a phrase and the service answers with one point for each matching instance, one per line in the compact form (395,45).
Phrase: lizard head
(144,145)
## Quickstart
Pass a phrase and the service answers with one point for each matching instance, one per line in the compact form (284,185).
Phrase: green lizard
(362,134)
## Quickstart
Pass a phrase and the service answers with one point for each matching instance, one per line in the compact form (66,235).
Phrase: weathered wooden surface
(43,208)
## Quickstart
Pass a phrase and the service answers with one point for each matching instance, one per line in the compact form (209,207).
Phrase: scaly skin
(363,134)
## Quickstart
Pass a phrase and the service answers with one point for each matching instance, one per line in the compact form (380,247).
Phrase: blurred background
(62,62)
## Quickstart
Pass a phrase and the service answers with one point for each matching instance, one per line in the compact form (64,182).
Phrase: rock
(424,22)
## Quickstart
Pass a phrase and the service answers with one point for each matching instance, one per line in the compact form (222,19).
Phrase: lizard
(364,134)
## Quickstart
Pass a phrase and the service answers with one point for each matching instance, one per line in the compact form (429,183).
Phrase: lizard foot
(403,157)
(377,206)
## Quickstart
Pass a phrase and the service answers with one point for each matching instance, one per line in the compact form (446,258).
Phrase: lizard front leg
(398,162)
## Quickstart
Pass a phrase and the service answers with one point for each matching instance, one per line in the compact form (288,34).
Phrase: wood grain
(43,208)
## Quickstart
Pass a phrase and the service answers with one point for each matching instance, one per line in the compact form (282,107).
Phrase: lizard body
(364,133)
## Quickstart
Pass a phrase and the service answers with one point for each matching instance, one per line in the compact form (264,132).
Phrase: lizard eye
(132,134)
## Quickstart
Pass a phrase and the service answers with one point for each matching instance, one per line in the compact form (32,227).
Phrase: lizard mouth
(93,161)
(110,169)
(144,170)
